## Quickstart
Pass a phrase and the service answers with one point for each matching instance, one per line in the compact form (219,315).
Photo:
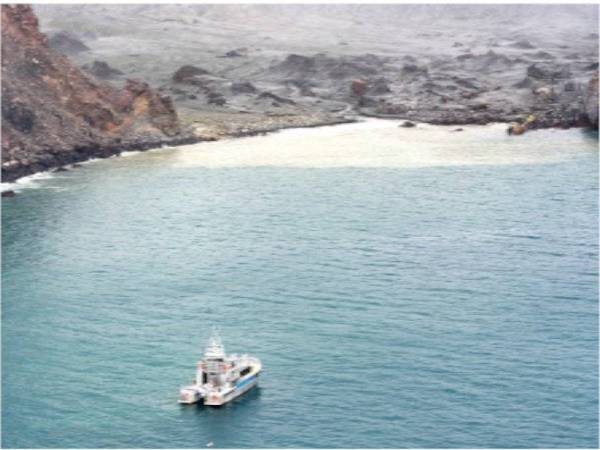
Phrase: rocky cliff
(54,114)
(591,101)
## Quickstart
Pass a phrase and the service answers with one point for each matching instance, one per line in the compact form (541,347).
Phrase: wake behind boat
(221,378)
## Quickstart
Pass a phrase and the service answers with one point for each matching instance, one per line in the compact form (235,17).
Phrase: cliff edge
(54,114)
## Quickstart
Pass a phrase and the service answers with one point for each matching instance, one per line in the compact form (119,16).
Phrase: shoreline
(89,153)
(12,174)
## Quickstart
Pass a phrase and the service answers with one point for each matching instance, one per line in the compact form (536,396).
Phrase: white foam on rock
(28,182)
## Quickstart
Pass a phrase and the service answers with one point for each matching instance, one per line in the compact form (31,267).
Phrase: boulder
(67,43)
(523,44)
(243,87)
(379,86)
(238,53)
(413,69)
(516,129)
(276,98)
(591,101)
(215,98)
(187,73)
(102,70)
(407,124)
(548,72)
(358,87)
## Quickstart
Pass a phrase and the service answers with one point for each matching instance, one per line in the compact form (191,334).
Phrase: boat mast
(214,359)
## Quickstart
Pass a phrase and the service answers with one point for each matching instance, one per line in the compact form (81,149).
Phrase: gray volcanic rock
(276,98)
(243,87)
(591,101)
(324,66)
(67,43)
(102,70)
(436,63)
(523,44)
(238,53)
(378,86)
(548,72)
(188,73)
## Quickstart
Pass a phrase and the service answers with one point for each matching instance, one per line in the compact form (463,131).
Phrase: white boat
(221,378)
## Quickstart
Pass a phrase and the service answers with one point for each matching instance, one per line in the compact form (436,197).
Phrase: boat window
(245,371)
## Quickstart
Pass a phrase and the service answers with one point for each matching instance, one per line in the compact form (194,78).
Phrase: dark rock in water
(407,124)
(67,43)
(8,193)
(523,44)
(186,73)
(517,129)
(243,87)
(61,169)
(102,70)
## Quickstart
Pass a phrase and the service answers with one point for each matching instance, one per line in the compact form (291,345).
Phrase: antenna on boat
(215,347)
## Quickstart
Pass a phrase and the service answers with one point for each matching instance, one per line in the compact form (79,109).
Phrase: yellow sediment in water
(355,145)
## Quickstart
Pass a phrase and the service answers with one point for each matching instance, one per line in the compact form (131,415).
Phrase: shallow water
(403,287)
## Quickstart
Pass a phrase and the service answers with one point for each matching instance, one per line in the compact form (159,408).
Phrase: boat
(221,378)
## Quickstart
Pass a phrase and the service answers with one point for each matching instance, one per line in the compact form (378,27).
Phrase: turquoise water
(403,288)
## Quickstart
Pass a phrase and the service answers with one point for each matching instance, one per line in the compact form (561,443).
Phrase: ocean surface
(403,288)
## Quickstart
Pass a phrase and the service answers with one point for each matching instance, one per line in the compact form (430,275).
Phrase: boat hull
(218,399)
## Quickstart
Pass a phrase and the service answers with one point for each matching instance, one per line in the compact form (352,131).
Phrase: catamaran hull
(215,399)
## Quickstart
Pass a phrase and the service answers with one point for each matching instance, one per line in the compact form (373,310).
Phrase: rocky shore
(75,94)
(54,114)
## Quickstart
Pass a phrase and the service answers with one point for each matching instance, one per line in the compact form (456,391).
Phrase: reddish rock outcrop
(358,87)
(591,101)
(53,113)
